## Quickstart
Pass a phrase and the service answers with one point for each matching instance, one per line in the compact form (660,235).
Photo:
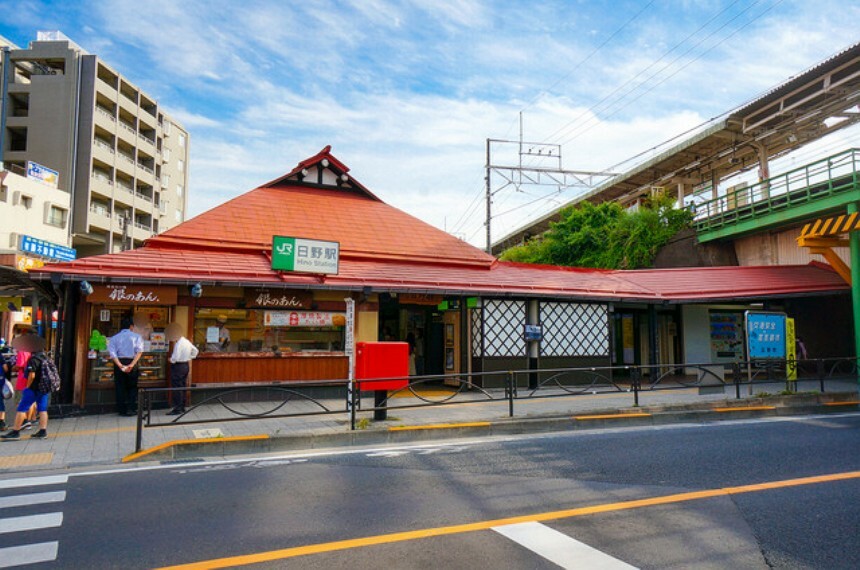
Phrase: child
(31,395)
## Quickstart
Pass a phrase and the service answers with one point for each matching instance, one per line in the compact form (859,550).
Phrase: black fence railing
(240,402)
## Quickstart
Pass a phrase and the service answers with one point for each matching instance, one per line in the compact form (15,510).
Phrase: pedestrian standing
(30,394)
(180,365)
(21,344)
(125,349)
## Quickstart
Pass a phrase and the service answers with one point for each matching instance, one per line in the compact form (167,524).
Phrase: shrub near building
(605,235)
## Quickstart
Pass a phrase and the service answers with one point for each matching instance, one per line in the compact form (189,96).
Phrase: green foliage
(605,235)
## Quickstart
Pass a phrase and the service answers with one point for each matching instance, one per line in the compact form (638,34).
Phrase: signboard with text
(765,335)
(263,299)
(133,294)
(44,248)
(303,319)
(305,255)
(36,171)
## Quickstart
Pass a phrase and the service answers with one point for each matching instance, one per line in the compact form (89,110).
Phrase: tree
(605,235)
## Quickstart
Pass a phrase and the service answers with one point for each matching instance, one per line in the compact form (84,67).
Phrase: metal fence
(241,401)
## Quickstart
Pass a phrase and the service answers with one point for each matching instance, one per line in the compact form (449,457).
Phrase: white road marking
(28,554)
(34,481)
(335,452)
(32,499)
(387,454)
(207,433)
(559,548)
(30,522)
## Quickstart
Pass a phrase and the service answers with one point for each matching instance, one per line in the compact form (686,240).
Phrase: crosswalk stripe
(32,499)
(30,522)
(559,548)
(28,554)
(34,481)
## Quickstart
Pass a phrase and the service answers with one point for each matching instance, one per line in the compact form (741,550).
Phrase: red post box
(382,360)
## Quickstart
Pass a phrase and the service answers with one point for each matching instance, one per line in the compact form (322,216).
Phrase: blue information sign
(47,249)
(765,335)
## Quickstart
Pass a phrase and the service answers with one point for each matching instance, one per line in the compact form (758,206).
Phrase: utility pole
(521,175)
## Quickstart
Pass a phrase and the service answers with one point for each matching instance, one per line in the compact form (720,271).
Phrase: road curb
(183,450)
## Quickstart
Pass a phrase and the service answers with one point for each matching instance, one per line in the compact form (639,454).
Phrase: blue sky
(407,92)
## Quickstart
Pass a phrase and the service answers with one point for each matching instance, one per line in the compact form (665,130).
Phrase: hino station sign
(305,255)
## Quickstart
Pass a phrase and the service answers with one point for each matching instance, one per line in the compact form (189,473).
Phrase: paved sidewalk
(108,438)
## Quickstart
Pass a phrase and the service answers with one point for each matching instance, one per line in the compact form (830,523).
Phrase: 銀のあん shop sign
(133,294)
(305,255)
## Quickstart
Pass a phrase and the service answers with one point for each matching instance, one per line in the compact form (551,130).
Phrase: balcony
(100,217)
(105,87)
(103,151)
(143,197)
(105,119)
(102,183)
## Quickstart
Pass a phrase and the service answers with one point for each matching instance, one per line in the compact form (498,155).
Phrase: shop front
(259,284)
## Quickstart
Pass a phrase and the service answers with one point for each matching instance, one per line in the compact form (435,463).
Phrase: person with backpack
(40,377)
(5,372)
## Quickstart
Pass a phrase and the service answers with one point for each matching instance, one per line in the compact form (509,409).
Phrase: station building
(466,310)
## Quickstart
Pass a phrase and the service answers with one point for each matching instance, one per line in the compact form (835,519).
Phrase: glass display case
(152,365)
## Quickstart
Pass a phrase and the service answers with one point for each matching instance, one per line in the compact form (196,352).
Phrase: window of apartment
(178,215)
(26,201)
(165,155)
(179,190)
(180,165)
(3,193)
(182,140)
(56,216)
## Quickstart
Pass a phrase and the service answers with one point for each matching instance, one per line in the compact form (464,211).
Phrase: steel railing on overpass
(827,184)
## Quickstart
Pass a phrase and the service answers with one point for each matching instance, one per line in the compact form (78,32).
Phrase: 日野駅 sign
(305,255)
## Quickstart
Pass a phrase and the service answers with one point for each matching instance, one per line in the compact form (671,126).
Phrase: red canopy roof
(389,250)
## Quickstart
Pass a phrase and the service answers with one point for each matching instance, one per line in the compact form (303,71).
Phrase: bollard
(635,377)
(379,402)
(736,376)
(511,384)
(819,370)
(141,398)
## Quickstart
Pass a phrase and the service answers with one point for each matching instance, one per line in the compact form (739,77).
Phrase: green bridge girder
(822,187)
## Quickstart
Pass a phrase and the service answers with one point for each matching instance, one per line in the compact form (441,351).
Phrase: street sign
(305,255)
(765,335)
(47,249)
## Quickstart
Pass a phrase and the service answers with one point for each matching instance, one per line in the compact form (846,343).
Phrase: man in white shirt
(180,364)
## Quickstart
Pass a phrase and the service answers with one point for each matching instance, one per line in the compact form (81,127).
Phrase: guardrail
(825,177)
(240,401)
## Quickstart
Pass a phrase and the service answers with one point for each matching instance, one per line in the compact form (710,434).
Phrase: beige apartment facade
(122,159)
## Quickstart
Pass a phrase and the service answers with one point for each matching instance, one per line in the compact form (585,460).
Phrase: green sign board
(305,255)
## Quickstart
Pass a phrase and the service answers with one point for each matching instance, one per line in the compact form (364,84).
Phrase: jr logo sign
(305,255)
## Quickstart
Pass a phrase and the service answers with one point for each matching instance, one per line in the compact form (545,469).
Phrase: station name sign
(305,255)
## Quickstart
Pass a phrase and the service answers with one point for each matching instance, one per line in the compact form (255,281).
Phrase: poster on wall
(726,330)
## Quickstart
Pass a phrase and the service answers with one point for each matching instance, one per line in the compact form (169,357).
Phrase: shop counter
(220,367)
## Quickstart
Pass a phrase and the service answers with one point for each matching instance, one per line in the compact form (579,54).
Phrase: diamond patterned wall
(477,338)
(503,327)
(574,329)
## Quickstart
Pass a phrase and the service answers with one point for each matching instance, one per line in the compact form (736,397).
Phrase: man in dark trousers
(125,349)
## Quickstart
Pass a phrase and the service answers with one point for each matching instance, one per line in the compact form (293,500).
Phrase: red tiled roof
(366,227)
(504,278)
(389,250)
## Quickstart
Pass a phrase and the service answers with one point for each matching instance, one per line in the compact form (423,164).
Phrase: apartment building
(123,160)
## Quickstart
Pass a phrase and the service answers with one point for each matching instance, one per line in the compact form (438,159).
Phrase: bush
(605,235)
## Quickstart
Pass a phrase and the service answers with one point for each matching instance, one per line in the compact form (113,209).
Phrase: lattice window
(475,317)
(573,329)
(503,327)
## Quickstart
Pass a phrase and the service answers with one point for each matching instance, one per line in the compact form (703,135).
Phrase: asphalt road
(456,501)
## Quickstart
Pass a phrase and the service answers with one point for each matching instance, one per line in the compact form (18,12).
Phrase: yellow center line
(295,551)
